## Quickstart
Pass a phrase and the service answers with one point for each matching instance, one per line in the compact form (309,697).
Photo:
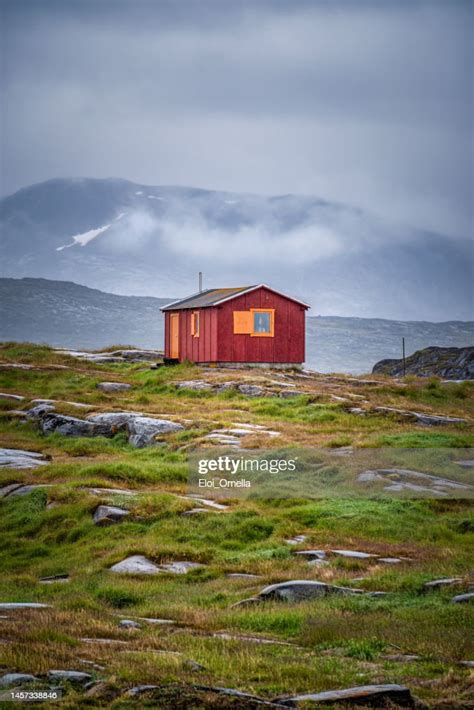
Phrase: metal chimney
(200,281)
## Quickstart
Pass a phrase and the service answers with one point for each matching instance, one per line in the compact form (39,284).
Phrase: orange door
(174,335)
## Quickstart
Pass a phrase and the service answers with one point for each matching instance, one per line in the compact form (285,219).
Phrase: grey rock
(116,420)
(196,511)
(242,575)
(401,657)
(114,386)
(463,598)
(39,411)
(367,695)
(7,490)
(191,665)
(441,583)
(301,590)
(196,385)
(376,595)
(26,490)
(246,602)
(467,463)
(18,458)
(296,540)
(448,363)
(6,606)
(251,390)
(466,664)
(59,578)
(71,426)
(312,554)
(70,676)
(226,386)
(400,479)
(14,397)
(143,430)
(356,554)
(135,564)
(16,678)
(109,514)
(139,689)
(129,624)
(180,567)
(286,394)
(421,417)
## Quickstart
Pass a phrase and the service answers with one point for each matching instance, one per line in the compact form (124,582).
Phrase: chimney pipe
(200,281)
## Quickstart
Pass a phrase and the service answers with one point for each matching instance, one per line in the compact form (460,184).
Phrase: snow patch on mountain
(84,238)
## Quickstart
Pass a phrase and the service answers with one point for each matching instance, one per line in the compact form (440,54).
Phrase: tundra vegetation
(57,548)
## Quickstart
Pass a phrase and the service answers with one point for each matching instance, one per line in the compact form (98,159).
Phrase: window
(262,322)
(195,324)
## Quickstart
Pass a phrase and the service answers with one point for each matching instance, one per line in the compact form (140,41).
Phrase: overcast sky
(368,103)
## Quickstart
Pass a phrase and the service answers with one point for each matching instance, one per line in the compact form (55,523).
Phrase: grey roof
(214,296)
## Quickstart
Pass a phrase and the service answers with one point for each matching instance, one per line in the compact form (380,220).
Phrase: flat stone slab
(365,695)
(55,578)
(138,564)
(180,567)
(311,554)
(195,385)
(112,492)
(16,678)
(356,554)
(70,676)
(205,501)
(251,390)
(467,463)
(296,540)
(18,458)
(14,397)
(301,590)
(4,606)
(243,575)
(109,515)
(250,639)
(197,511)
(114,386)
(422,417)
(463,598)
(135,564)
(144,430)
(441,583)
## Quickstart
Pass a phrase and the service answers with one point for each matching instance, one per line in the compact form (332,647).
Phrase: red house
(246,325)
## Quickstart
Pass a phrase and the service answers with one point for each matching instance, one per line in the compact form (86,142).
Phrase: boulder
(17,679)
(135,564)
(39,411)
(421,417)
(109,514)
(115,420)
(302,590)
(377,696)
(143,430)
(71,426)
(286,394)
(18,458)
(113,386)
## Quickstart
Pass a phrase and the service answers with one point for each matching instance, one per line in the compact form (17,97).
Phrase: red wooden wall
(218,343)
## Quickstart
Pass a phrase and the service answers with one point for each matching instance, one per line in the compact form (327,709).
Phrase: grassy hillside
(266,649)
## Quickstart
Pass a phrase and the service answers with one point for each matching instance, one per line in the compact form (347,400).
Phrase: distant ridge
(66,314)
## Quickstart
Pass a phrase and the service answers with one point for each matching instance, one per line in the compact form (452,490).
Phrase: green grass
(341,641)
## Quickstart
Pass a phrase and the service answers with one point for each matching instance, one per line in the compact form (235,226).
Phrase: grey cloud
(367,103)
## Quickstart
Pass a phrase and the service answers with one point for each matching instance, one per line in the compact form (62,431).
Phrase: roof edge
(231,297)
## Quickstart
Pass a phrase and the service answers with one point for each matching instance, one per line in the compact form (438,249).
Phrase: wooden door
(174,335)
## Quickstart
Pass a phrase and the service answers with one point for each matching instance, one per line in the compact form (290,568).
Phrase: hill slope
(135,239)
(61,313)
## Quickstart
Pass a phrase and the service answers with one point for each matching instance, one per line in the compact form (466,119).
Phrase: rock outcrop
(448,363)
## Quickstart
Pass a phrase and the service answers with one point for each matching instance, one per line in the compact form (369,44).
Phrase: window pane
(262,322)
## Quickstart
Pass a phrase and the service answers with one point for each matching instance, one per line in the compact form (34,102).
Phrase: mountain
(142,240)
(65,314)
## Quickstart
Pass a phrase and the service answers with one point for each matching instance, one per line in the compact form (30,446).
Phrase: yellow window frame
(195,323)
(271,334)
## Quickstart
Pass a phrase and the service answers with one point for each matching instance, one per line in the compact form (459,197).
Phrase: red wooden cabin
(245,325)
